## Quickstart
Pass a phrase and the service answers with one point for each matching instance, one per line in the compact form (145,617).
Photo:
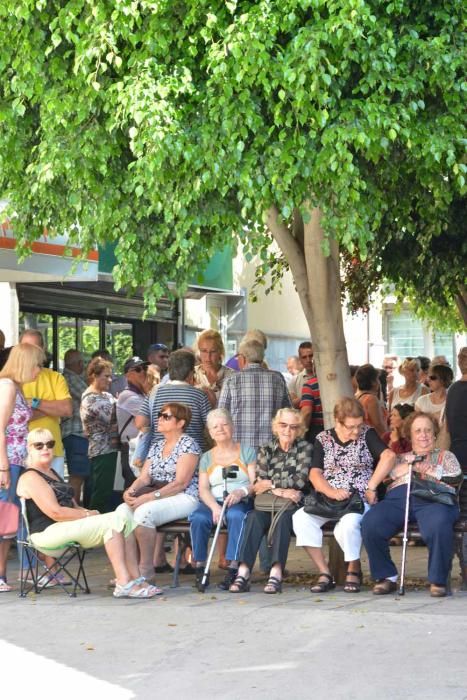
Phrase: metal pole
(406,527)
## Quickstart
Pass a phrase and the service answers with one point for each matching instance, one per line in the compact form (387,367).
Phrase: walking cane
(227,473)
(418,458)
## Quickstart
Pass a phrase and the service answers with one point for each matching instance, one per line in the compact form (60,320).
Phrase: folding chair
(37,576)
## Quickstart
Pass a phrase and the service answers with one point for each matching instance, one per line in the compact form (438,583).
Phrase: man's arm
(58,408)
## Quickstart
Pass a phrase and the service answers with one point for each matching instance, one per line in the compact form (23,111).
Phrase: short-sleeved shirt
(165,468)
(348,465)
(179,392)
(214,471)
(99,421)
(287,470)
(129,403)
(311,398)
(456,417)
(76,385)
(49,386)
(16,432)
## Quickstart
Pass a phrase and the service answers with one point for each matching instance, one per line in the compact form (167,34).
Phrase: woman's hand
(371,497)
(235,497)
(293,494)
(5,479)
(262,486)
(338,494)
(216,513)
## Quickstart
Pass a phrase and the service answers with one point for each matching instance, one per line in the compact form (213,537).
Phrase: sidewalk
(184,644)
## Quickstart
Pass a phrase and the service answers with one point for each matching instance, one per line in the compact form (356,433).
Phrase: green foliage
(172,126)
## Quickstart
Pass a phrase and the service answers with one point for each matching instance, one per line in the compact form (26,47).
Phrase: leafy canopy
(169,126)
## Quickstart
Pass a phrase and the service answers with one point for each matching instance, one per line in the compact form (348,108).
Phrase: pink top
(16,432)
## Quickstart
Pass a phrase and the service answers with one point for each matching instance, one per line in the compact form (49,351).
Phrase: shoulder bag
(276,505)
(9,518)
(430,490)
(317,503)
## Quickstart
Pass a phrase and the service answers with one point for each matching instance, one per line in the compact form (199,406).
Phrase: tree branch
(461,302)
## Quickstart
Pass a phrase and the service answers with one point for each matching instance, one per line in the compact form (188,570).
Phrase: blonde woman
(412,389)
(210,374)
(23,365)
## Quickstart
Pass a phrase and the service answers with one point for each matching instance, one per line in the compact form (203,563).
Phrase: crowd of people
(192,434)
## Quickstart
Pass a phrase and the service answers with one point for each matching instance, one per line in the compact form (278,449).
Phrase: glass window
(66,338)
(88,337)
(119,342)
(405,335)
(443,344)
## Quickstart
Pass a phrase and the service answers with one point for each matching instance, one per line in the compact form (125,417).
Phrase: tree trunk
(461,303)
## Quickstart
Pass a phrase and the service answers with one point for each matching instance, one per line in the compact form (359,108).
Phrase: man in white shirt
(128,404)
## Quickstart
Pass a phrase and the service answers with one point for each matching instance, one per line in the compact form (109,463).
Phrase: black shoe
(165,569)
(188,570)
(229,578)
(199,573)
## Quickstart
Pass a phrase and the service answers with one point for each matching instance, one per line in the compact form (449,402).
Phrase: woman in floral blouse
(98,415)
(343,460)
(168,486)
(23,365)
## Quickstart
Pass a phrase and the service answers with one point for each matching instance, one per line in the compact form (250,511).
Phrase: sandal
(240,585)
(384,587)
(128,590)
(274,585)
(353,586)
(323,586)
(4,586)
(437,591)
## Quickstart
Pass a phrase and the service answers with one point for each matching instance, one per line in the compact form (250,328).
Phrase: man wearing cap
(128,405)
(158,355)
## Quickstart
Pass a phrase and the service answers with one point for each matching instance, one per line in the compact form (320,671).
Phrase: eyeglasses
(352,428)
(165,416)
(50,444)
(433,377)
(139,369)
(292,426)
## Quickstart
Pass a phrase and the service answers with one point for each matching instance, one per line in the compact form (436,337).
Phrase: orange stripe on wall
(49,249)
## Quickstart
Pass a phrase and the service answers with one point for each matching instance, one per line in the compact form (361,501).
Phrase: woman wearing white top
(439,378)
(412,388)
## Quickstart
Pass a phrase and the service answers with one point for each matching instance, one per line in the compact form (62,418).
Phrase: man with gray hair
(253,396)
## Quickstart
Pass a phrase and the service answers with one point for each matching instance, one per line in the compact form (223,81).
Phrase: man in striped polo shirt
(311,409)
(178,389)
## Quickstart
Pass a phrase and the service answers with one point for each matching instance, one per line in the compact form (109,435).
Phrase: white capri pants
(164,510)
(347,532)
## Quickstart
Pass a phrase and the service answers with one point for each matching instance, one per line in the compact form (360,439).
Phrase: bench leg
(462,553)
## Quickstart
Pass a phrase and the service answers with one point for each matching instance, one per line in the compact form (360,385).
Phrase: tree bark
(461,303)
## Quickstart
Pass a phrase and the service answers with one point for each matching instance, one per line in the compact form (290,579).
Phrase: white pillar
(9,312)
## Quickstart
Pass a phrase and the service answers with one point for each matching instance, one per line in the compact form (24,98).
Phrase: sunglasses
(139,369)
(50,444)
(165,416)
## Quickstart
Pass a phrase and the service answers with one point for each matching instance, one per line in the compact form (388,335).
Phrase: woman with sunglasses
(282,467)
(439,380)
(167,488)
(343,461)
(412,389)
(22,366)
(55,519)
(98,415)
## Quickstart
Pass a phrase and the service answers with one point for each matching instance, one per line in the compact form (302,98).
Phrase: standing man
(50,400)
(74,441)
(158,355)
(295,386)
(253,396)
(129,403)
(312,409)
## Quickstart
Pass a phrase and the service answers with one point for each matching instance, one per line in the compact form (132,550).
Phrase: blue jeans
(435,522)
(202,524)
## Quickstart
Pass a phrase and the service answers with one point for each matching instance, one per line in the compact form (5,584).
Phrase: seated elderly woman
(343,461)
(55,519)
(282,468)
(167,488)
(239,459)
(435,520)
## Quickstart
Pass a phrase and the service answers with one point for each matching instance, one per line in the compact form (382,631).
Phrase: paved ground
(187,645)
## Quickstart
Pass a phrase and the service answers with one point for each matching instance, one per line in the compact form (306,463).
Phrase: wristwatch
(35,403)
(157,494)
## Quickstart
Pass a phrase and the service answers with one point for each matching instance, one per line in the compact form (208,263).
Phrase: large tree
(170,126)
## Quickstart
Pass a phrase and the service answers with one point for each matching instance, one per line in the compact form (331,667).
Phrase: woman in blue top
(226,453)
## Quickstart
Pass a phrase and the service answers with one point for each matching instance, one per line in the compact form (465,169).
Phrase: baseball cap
(158,346)
(134,362)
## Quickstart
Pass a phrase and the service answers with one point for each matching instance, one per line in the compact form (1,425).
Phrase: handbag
(276,505)
(317,503)
(434,491)
(9,518)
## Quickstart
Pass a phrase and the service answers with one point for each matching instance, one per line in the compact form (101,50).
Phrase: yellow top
(50,386)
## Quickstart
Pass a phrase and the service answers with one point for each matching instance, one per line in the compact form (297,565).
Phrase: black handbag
(434,491)
(318,504)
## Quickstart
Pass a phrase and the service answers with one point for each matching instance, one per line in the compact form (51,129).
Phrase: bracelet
(368,488)
(5,470)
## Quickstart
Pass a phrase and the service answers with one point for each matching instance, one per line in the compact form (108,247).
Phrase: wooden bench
(181,530)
